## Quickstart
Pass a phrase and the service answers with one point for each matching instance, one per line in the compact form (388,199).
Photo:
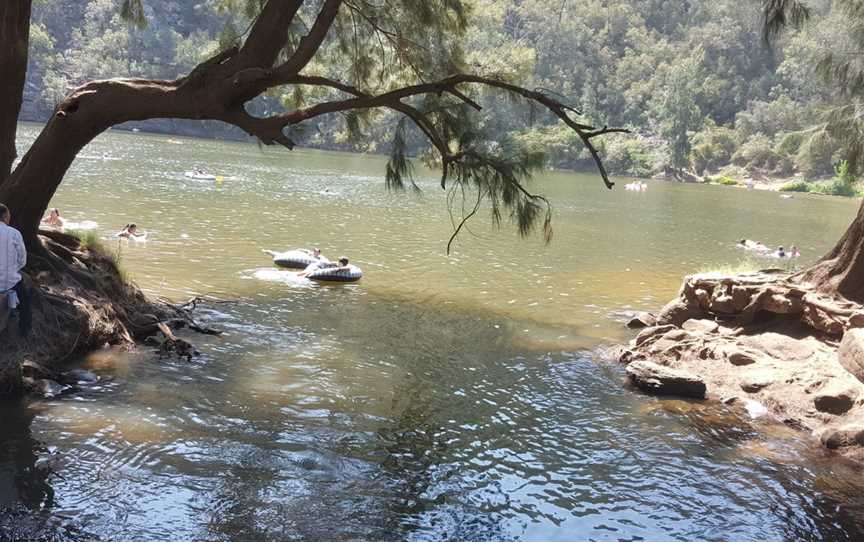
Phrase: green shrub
(783,114)
(790,144)
(713,148)
(758,152)
(843,184)
(796,186)
(633,156)
(727,181)
(843,174)
(89,239)
(815,156)
(834,187)
(560,144)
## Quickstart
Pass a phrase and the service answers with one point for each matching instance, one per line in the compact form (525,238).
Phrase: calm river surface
(455,397)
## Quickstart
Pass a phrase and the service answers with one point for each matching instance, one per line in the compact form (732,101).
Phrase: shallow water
(443,397)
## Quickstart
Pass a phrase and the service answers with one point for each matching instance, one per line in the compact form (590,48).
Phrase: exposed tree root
(81,302)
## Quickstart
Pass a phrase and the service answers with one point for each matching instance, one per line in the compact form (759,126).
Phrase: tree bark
(841,271)
(15,40)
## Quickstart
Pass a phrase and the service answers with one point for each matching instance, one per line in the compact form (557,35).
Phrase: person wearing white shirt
(13,258)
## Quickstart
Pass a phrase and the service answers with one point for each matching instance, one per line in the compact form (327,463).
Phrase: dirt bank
(80,302)
(764,344)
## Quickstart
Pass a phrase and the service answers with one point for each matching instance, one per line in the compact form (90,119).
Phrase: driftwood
(148,328)
(172,345)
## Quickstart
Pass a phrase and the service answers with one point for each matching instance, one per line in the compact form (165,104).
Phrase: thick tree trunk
(86,113)
(15,39)
(841,271)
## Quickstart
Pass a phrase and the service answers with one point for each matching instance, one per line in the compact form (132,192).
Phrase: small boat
(200,176)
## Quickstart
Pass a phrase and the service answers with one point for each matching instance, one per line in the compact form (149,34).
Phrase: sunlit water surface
(454,397)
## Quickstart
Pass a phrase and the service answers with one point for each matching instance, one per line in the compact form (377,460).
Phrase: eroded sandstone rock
(651,332)
(654,378)
(756,382)
(835,401)
(676,312)
(700,326)
(739,358)
(851,352)
(643,319)
(780,346)
(847,435)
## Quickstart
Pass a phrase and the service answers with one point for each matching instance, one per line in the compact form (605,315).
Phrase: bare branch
(464,220)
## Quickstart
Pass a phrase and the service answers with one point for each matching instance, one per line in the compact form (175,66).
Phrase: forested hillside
(691,79)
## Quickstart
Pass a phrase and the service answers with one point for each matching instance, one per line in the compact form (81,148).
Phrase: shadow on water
(26,495)
(346,416)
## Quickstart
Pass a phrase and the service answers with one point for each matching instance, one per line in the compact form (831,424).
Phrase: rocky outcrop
(758,340)
(642,320)
(661,380)
(837,401)
(848,435)
(851,352)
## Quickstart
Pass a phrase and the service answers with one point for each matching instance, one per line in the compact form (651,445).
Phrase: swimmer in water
(130,231)
(54,220)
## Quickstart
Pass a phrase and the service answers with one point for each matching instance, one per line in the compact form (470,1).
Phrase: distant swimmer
(793,252)
(748,244)
(54,220)
(130,231)
(780,252)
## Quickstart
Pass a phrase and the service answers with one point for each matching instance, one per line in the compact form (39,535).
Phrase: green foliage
(796,186)
(633,156)
(780,115)
(691,76)
(790,144)
(679,112)
(842,185)
(557,141)
(843,173)
(834,188)
(89,239)
(713,148)
(726,181)
(816,154)
(758,153)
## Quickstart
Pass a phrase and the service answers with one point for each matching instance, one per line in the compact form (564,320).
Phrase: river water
(459,397)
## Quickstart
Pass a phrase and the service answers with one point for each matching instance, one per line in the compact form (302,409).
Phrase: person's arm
(20,249)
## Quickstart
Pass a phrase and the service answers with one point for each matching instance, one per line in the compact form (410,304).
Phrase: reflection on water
(441,398)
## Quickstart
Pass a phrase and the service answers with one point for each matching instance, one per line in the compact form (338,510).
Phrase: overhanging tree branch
(393,99)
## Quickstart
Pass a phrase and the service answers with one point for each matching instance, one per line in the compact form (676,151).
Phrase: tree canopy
(312,59)
(615,61)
